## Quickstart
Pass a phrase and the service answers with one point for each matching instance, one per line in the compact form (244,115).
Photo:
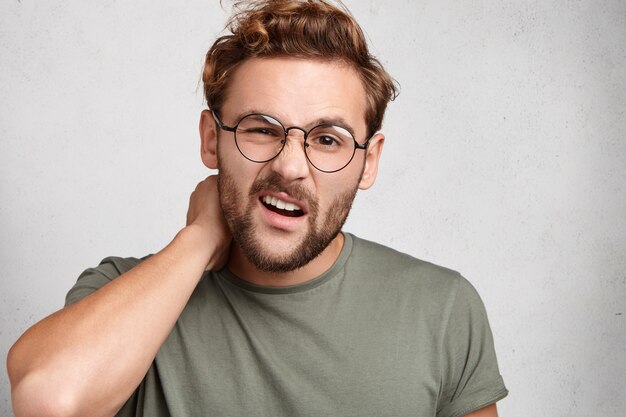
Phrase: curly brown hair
(296,28)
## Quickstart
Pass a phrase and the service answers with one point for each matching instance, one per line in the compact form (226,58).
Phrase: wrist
(201,244)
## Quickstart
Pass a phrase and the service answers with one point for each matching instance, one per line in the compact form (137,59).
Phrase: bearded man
(261,305)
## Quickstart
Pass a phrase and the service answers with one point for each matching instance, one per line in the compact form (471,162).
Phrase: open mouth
(281,207)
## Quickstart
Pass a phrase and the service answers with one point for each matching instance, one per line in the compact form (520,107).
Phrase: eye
(329,138)
(260,130)
(326,140)
(259,126)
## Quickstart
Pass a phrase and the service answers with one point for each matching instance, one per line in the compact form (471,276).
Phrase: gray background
(505,159)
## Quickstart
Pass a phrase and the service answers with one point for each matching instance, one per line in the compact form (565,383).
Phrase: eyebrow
(335,120)
(247,112)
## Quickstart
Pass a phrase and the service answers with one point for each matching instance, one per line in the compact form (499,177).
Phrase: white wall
(505,159)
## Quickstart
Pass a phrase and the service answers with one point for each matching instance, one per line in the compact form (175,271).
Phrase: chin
(283,255)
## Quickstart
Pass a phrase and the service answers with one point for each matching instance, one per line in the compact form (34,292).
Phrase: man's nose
(291,163)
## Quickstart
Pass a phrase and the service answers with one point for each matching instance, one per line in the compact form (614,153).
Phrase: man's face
(284,213)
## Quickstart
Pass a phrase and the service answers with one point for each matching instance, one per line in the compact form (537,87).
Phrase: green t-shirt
(378,334)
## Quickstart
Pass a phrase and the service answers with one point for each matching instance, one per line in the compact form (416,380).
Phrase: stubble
(246,235)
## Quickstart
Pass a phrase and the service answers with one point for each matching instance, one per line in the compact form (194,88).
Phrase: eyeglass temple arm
(365,144)
(222,125)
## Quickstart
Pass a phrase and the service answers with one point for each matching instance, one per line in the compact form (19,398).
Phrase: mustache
(274,183)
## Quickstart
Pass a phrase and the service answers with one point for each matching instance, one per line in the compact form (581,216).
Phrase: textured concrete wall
(505,159)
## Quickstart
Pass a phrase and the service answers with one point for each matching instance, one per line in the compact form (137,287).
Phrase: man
(261,305)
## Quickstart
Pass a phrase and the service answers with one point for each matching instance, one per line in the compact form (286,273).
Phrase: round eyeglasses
(261,138)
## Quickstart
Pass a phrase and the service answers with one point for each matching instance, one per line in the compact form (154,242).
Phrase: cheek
(226,154)
(241,171)
(335,187)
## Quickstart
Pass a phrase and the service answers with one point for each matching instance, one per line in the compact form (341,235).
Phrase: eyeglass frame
(286,130)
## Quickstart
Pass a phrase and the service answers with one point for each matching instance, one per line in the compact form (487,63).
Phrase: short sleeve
(93,279)
(470,376)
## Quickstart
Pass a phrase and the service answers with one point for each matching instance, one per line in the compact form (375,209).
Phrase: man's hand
(205,213)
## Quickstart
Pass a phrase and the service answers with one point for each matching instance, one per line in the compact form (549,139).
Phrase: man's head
(305,64)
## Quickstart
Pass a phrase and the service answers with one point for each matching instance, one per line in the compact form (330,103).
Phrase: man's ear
(374,149)
(208,139)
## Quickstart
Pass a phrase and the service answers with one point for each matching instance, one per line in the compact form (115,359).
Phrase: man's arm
(88,358)
(489,411)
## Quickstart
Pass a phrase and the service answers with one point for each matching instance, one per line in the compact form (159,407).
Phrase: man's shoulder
(391,266)
(92,279)
(378,256)
(113,266)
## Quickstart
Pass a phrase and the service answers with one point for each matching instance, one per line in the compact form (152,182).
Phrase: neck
(240,265)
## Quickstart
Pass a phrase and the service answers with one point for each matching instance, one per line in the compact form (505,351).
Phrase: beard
(246,235)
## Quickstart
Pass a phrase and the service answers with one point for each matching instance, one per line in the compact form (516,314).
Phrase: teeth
(283,205)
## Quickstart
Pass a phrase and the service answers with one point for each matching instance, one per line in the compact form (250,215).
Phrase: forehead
(296,91)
